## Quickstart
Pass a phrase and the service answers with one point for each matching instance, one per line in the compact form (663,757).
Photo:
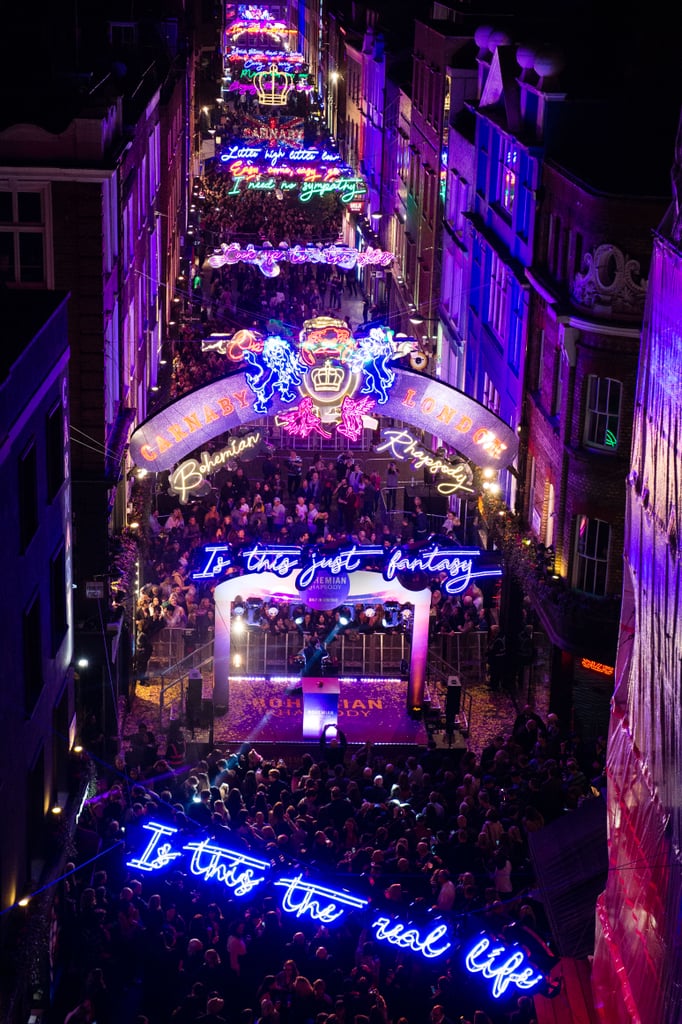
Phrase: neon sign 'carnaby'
(489,960)
(457,563)
(402,445)
(190,476)
(303,896)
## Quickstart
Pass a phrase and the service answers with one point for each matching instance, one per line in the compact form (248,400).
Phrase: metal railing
(176,653)
(171,650)
(372,654)
(439,672)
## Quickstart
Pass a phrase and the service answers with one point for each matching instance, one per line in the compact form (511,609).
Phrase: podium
(320,704)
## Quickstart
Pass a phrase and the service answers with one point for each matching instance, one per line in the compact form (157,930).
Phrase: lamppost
(426,339)
(334,77)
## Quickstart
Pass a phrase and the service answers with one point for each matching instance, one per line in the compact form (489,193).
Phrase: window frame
(18,229)
(583,560)
(508,174)
(594,414)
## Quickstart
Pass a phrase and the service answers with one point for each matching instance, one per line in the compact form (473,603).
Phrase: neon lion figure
(279,368)
(371,356)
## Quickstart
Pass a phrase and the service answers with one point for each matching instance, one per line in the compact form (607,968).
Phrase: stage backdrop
(362,586)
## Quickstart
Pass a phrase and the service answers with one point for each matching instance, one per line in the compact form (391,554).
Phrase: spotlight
(299,620)
(238,626)
(273,611)
(253,609)
(344,616)
(391,615)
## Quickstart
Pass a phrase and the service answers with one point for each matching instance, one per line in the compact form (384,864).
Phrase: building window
(557,382)
(32,651)
(602,420)
(22,237)
(497,302)
(491,396)
(58,606)
(515,332)
(123,35)
(54,451)
(28,497)
(508,170)
(592,554)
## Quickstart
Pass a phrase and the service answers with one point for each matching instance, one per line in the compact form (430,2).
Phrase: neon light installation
(280,560)
(333,255)
(352,416)
(278,368)
(596,666)
(190,477)
(489,961)
(371,355)
(302,421)
(409,938)
(457,563)
(299,898)
(273,87)
(236,871)
(342,561)
(163,852)
(504,965)
(402,445)
(219,559)
(271,156)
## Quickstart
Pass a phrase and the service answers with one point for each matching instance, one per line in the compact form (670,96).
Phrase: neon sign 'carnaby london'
(305,897)
(457,564)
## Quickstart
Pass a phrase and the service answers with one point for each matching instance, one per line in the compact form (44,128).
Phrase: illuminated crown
(327,377)
(273,86)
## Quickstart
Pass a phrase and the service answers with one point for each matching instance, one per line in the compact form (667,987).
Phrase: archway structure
(227,404)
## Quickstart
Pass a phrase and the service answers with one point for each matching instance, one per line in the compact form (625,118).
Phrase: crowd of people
(277,501)
(425,835)
(420,836)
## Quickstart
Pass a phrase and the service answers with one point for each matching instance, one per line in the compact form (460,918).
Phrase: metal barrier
(464,653)
(374,654)
(177,652)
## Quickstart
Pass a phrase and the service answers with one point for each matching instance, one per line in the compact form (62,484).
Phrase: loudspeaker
(206,713)
(193,699)
(453,700)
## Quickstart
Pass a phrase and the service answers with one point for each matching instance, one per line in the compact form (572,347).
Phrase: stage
(262,710)
(271,711)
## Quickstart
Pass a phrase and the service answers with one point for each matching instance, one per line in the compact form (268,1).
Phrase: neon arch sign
(193,420)
(507,967)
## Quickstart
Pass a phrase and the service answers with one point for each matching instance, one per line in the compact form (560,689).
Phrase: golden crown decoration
(327,377)
(273,87)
